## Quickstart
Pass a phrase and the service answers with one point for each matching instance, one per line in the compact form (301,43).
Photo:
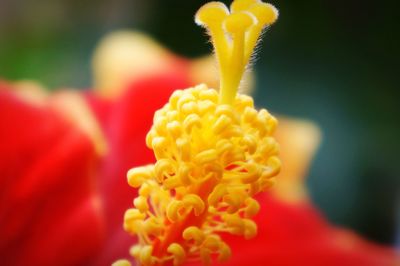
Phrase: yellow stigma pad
(234,35)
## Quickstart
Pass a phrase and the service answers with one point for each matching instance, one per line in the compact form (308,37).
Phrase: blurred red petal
(296,234)
(126,126)
(48,209)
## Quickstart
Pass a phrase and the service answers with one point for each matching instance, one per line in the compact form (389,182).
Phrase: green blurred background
(334,62)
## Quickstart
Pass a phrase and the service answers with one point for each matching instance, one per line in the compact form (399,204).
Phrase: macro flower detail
(65,155)
(214,153)
(234,35)
(211,159)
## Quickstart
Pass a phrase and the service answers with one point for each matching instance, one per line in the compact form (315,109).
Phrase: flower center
(214,153)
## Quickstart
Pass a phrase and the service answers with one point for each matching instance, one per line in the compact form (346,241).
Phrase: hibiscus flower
(64,159)
(319,244)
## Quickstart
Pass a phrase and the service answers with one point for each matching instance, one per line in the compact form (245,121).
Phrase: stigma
(234,34)
(214,153)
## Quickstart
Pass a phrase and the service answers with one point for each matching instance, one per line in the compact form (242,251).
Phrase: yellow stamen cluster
(214,153)
(211,159)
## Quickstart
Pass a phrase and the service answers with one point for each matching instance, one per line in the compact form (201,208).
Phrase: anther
(206,156)
(191,121)
(131,217)
(178,252)
(163,169)
(136,176)
(173,210)
(224,252)
(194,201)
(145,256)
(216,195)
(252,207)
(193,233)
(141,204)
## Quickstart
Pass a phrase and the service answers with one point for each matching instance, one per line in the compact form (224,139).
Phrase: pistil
(214,153)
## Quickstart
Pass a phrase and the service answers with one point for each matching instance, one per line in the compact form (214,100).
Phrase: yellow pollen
(234,34)
(204,179)
(214,153)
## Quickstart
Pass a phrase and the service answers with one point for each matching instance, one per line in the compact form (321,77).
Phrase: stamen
(178,253)
(214,153)
(204,179)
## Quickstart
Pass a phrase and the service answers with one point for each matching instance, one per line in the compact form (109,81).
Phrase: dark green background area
(334,62)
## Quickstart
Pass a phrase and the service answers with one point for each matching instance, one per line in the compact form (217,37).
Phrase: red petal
(48,209)
(126,127)
(296,234)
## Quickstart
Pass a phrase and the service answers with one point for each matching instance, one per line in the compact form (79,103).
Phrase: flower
(214,153)
(126,118)
(61,176)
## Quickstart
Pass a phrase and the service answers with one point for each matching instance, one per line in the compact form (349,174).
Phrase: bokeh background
(334,62)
